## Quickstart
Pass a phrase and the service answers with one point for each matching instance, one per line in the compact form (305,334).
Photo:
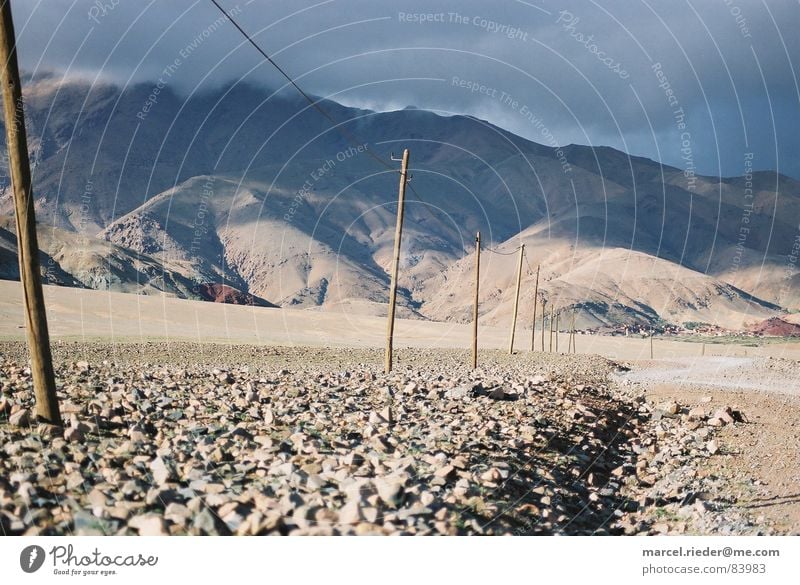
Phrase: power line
(530,269)
(315,104)
(514,251)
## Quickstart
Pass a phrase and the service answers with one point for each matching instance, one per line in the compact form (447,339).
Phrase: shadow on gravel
(569,485)
(773,501)
(320,442)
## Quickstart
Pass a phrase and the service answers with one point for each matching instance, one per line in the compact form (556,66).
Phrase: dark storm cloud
(646,76)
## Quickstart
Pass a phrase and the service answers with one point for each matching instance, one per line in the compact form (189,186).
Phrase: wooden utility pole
(569,332)
(475,306)
(557,317)
(535,302)
(544,314)
(398,232)
(574,334)
(516,300)
(552,314)
(651,344)
(28,248)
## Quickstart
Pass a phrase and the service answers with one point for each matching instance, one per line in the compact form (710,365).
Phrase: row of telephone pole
(554,316)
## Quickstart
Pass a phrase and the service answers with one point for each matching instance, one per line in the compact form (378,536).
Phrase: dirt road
(759,459)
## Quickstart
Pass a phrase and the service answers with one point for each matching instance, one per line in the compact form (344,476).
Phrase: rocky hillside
(247,189)
(222,293)
(775,326)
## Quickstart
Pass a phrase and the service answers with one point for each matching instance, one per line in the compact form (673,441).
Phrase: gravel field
(188,438)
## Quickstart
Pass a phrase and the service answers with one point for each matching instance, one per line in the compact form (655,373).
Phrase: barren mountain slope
(299,215)
(224,231)
(603,285)
(72,259)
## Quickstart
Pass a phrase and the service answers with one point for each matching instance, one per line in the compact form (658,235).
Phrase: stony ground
(183,438)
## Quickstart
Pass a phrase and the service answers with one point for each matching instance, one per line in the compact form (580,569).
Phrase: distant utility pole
(544,315)
(516,300)
(569,332)
(475,306)
(557,317)
(535,302)
(571,337)
(552,314)
(19,164)
(574,334)
(398,232)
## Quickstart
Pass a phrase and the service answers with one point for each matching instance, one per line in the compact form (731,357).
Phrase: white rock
(21,418)
(669,407)
(390,491)
(698,413)
(149,525)
(351,513)
(458,393)
(160,470)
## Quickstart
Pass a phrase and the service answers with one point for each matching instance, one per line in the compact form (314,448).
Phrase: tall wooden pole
(544,315)
(475,306)
(535,302)
(557,318)
(574,334)
(552,314)
(516,300)
(569,334)
(401,200)
(651,344)
(571,331)
(19,164)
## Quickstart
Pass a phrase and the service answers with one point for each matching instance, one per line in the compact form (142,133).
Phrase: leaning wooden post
(516,301)
(535,302)
(475,306)
(557,317)
(398,232)
(569,335)
(544,314)
(574,334)
(33,298)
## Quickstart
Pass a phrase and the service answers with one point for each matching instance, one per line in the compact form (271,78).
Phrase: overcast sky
(624,73)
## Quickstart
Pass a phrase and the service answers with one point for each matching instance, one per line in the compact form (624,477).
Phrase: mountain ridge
(281,223)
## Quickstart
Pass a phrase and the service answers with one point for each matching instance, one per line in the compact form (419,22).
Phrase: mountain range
(246,188)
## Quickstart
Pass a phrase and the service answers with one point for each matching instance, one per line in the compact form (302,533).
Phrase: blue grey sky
(707,83)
